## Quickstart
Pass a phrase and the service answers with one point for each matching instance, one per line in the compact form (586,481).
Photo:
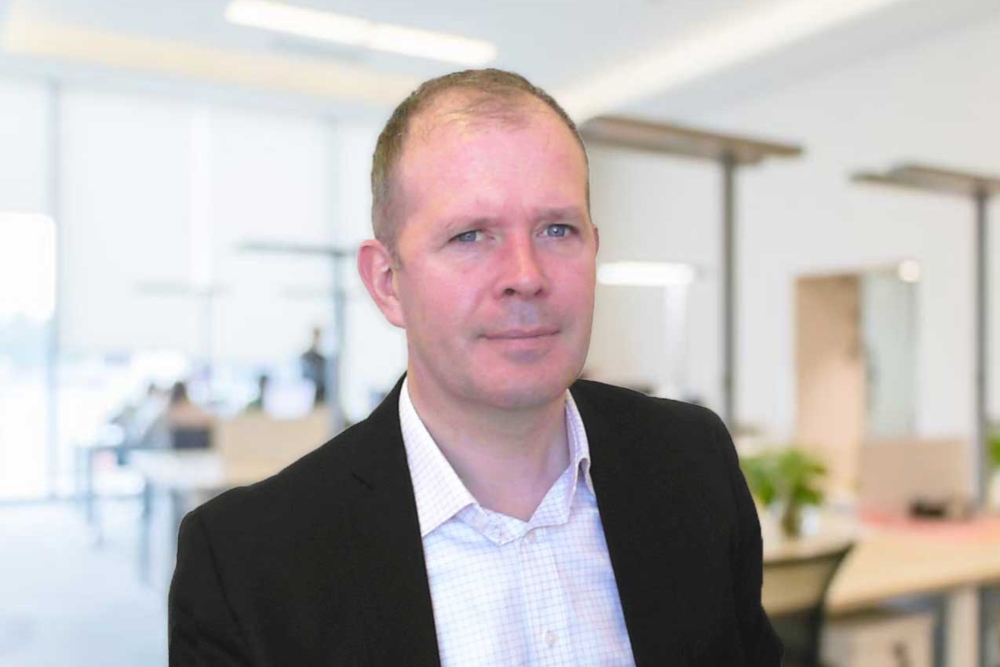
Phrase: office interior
(182,189)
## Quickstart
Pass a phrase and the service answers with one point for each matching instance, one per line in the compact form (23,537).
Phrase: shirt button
(550,638)
(530,537)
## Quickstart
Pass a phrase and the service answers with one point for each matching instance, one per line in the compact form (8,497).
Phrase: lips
(521,334)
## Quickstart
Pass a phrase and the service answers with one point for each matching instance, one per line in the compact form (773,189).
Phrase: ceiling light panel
(300,21)
(352,31)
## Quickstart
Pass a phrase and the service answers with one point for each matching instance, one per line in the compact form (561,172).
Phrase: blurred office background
(182,185)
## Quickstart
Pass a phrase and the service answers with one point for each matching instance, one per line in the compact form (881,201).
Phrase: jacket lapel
(388,550)
(646,544)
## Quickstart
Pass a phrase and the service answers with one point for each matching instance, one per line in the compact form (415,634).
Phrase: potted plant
(993,446)
(788,480)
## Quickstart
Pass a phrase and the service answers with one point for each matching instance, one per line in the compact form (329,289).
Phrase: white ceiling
(566,46)
(554,41)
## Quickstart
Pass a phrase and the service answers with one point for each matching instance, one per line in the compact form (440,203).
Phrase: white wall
(936,102)
(158,192)
(24,138)
(648,208)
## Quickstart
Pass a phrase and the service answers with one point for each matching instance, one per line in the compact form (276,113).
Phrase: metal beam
(683,141)
(729,301)
(982,349)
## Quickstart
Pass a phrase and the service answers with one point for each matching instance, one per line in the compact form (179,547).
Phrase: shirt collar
(579,446)
(439,492)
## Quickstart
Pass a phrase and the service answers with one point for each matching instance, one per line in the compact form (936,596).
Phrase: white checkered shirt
(509,592)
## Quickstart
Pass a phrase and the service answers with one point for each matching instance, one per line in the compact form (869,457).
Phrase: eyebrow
(559,213)
(461,223)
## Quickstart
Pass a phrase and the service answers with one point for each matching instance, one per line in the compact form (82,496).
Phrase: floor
(66,600)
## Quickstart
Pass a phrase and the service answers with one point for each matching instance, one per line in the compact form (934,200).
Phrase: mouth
(522,334)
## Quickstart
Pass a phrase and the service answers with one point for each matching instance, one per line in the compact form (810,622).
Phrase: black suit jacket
(323,563)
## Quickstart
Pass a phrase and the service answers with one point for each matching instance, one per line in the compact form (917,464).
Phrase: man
(484,514)
(313,365)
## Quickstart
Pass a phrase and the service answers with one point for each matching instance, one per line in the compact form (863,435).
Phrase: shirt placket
(547,600)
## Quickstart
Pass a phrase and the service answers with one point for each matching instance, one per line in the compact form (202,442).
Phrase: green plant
(993,445)
(787,477)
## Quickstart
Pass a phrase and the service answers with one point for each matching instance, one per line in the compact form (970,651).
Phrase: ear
(597,239)
(378,272)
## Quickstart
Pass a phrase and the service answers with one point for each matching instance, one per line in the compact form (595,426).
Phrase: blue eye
(468,237)
(557,231)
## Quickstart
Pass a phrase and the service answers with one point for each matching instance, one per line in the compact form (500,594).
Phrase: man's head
(485,251)
(482,95)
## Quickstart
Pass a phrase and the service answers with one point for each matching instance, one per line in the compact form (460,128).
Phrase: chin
(526,393)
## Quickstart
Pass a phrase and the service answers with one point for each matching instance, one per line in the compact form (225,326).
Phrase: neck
(507,459)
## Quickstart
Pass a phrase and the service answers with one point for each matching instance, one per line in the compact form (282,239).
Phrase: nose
(522,272)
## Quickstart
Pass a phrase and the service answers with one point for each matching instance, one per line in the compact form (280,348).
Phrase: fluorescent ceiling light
(435,46)
(704,52)
(300,21)
(645,274)
(327,26)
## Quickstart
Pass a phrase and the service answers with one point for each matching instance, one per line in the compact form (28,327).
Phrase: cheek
(578,286)
(439,303)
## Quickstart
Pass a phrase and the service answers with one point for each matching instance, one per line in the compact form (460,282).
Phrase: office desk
(893,560)
(109,439)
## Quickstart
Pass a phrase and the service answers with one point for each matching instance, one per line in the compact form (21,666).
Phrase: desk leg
(145,532)
(93,506)
(989,625)
(962,628)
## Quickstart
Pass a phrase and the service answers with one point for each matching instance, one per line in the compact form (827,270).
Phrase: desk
(899,559)
(957,561)
(112,439)
(920,562)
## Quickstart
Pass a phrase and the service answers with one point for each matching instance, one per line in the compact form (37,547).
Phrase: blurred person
(257,404)
(313,365)
(179,414)
(494,509)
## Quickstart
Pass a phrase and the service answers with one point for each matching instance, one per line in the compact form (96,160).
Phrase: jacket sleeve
(202,628)
(761,646)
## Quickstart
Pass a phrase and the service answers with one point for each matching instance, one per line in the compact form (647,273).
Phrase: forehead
(457,109)
(458,133)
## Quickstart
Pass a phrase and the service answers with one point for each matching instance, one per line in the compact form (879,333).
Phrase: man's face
(495,282)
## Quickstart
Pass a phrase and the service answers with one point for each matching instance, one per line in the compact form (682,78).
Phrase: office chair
(794,594)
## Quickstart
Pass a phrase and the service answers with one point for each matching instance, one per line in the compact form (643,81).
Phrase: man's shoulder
(628,426)
(622,405)
(312,487)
